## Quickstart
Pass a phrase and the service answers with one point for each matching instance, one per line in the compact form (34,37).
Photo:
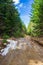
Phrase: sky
(24,8)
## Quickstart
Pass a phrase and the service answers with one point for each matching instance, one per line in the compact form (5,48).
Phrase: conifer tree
(10,22)
(37,18)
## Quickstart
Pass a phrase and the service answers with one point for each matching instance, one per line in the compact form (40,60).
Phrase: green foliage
(5,36)
(24,30)
(4,41)
(30,28)
(18,34)
(37,18)
(10,22)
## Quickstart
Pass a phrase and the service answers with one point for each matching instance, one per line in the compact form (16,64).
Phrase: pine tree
(37,18)
(10,22)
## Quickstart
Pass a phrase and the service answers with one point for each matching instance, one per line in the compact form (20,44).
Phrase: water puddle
(12,45)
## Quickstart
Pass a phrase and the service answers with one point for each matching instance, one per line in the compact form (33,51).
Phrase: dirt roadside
(32,55)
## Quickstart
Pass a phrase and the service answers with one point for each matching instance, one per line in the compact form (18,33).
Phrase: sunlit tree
(37,18)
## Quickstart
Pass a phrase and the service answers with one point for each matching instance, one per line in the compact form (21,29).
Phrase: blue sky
(24,8)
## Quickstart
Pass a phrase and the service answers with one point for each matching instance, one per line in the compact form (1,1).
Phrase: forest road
(29,54)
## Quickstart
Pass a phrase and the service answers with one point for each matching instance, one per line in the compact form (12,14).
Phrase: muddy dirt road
(30,54)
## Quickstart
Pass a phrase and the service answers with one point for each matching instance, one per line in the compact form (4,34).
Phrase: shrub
(4,41)
(5,36)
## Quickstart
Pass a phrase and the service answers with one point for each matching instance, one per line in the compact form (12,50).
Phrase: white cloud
(21,5)
(16,1)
